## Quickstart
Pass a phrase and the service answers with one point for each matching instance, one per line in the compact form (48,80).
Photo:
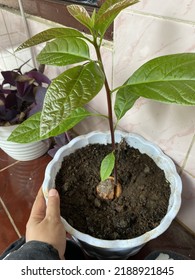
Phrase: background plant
(21,95)
(169,79)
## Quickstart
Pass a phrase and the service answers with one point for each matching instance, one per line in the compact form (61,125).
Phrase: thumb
(53,205)
(39,207)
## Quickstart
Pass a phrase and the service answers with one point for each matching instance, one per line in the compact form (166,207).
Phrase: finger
(53,205)
(39,207)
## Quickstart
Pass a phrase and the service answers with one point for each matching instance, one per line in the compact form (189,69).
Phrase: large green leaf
(124,101)
(70,90)
(81,14)
(50,34)
(168,79)
(108,12)
(64,51)
(107,166)
(29,130)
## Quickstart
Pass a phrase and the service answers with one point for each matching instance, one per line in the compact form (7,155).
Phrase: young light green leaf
(108,12)
(70,90)
(93,17)
(29,130)
(106,5)
(47,35)
(64,51)
(107,166)
(80,14)
(169,79)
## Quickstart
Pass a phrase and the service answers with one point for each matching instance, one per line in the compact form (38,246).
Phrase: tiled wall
(12,33)
(141,32)
(144,31)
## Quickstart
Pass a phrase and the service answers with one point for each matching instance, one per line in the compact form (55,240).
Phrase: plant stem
(110,114)
(67,136)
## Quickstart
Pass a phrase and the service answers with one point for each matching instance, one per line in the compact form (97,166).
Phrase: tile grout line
(10,218)
(163,17)
(9,166)
(187,154)
(185,227)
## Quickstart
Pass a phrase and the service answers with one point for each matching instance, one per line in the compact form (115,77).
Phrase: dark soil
(140,208)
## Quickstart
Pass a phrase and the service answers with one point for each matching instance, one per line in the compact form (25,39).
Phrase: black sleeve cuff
(34,250)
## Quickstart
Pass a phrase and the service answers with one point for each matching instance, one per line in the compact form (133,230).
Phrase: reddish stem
(110,114)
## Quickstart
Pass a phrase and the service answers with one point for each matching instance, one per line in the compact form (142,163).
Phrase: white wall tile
(11,39)
(91,124)
(10,60)
(13,17)
(177,9)
(187,210)
(2,64)
(37,25)
(3,29)
(169,126)
(16,38)
(5,43)
(190,163)
(23,56)
(137,39)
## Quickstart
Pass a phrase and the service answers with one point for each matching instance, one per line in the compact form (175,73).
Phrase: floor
(19,183)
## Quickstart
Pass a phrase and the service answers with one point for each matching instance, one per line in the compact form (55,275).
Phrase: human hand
(45,224)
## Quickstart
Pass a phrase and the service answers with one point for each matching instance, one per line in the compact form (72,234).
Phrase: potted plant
(165,79)
(21,95)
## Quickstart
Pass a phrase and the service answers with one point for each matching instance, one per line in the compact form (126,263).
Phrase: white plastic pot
(118,249)
(22,152)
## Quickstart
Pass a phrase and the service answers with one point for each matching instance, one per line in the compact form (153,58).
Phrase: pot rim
(159,157)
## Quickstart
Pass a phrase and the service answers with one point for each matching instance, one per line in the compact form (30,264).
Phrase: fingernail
(53,192)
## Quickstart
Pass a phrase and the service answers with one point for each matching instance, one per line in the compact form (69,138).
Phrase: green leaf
(93,17)
(81,14)
(70,90)
(69,122)
(107,166)
(124,101)
(50,34)
(169,79)
(108,12)
(29,130)
(64,51)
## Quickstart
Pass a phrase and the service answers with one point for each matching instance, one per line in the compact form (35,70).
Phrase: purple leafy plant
(21,95)
(61,140)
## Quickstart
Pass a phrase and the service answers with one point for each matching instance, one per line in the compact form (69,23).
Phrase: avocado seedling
(169,78)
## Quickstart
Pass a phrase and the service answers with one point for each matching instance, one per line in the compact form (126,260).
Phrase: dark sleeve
(34,250)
